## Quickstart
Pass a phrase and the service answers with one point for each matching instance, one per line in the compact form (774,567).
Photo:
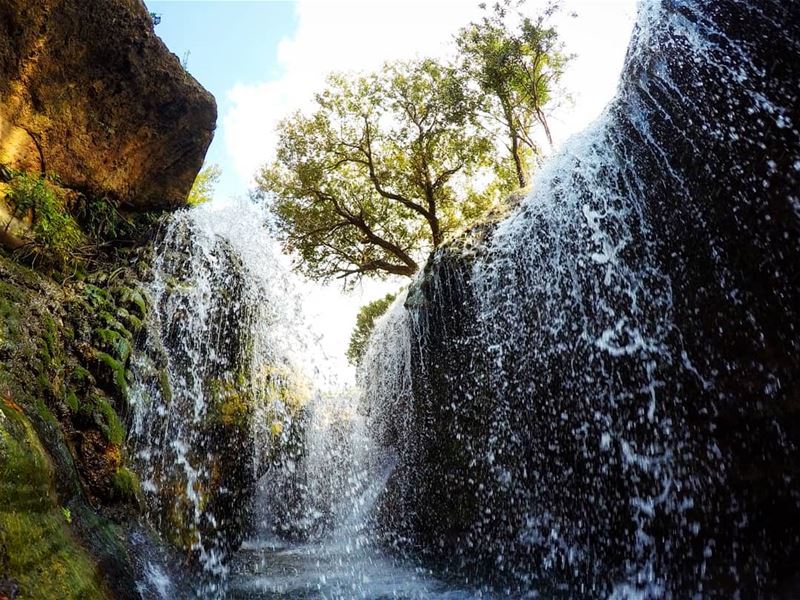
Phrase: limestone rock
(89,93)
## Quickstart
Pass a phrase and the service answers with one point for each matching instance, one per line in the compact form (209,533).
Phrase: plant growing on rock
(55,233)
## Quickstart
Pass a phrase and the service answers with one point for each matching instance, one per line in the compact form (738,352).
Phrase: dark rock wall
(605,389)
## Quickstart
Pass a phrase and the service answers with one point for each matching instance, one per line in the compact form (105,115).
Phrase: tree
(519,69)
(204,185)
(386,166)
(365,323)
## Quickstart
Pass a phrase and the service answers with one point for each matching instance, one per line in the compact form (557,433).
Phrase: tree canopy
(519,69)
(389,163)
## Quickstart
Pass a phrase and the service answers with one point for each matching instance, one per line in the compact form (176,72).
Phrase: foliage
(365,323)
(204,184)
(518,70)
(387,165)
(101,219)
(55,232)
(126,485)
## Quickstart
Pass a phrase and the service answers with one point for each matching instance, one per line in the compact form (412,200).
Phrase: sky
(263,59)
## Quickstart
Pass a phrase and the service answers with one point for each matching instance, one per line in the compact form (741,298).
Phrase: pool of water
(332,570)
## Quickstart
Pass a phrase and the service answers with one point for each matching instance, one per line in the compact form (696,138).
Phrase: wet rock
(8,590)
(65,488)
(605,389)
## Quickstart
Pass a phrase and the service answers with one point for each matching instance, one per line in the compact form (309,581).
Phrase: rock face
(66,499)
(605,390)
(89,93)
(193,409)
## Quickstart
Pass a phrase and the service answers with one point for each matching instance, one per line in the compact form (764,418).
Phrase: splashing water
(221,357)
(587,398)
(242,432)
(569,384)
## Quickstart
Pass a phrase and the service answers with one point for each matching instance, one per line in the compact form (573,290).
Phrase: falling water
(572,395)
(217,377)
(588,397)
(242,433)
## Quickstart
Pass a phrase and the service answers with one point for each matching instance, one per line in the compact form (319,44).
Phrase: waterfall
(218,378)
(592,395)
(241,430)
(594,399)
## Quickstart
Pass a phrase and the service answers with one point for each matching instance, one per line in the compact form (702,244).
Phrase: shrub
(55,233)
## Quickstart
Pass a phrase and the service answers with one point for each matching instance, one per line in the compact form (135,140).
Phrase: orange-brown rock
(89,92)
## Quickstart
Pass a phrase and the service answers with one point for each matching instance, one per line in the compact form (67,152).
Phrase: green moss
(44,413)
(44,362)
(126,485)
(115,343)
(230,404)
(71,400)
(40,553)
(11,298)
(81,376)
(133,300)
(113,427)
(111,322)
(50,334)
(134,323)
(165,387)
(117,372)
(98,409)
(42,381)
(96,296)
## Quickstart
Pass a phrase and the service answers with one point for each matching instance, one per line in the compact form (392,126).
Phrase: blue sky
(229,43)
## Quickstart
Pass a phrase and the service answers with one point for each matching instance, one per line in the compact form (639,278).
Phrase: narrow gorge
(592,394)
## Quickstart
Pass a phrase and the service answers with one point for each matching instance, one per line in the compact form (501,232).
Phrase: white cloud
(361,34)
(334,36)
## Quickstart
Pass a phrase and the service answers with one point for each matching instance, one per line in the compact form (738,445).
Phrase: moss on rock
(41,555)
(62,387)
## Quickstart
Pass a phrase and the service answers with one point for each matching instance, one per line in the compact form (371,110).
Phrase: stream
(331,570)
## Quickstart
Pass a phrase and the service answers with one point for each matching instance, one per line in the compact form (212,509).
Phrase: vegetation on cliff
(90,141)
(365,324)
(63,355)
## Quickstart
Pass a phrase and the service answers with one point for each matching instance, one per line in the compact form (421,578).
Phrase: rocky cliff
(100,130)
(604,387)
(90,94)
